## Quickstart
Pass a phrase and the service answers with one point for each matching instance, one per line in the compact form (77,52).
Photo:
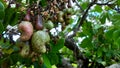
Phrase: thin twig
(79,5)
(82,19)
(107,3)
(103,4)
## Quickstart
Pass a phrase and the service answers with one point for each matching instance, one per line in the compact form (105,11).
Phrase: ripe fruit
(49,24)
(39,39)
(26,29)
(38,22)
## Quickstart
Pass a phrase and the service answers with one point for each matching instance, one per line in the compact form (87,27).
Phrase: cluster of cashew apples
(34,35)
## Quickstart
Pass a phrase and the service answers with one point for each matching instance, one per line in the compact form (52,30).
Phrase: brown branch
(70,43)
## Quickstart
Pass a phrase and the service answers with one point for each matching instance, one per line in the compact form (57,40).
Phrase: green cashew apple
(60,16)
(25,51)
(39,39)
(69,11)
(49,24)
(40,59)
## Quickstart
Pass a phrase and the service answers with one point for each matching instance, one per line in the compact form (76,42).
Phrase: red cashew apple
(26,29)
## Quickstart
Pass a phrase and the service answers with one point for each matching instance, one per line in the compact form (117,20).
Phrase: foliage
(87,19)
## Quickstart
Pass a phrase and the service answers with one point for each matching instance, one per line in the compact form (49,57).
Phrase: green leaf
(88,53)
(14,58)
(8,51)
(97,8)
(118,2)
(58,45)
(8,16)
(115,19)
(103,17)
(99,60)
(2,13)
(109,34)
(14,19)
(116,34)
(1,6)
(84,4)
(46,61)
(99,52)
(54,60)
(86,43)
(30,1)
(36,65)
(97,26)
(87,29)
(118,42)
(80,34)
(1,28)
(43,3)
(109,54)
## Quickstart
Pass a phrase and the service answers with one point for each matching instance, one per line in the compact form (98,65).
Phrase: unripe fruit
(27,16)
(40,59)
(69,11)
(60,16)
(39,39)
(20,43)
(49,24)
(38,22)
(25,51)
(61,13)
(26,29)
(60,19)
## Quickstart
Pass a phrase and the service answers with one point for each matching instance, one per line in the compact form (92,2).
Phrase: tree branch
(79,5)
(82,19)
(70,43)
(84,16)
(111,5)
(103,3)
(107,3)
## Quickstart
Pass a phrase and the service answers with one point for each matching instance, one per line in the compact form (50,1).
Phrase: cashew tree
(59,33)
